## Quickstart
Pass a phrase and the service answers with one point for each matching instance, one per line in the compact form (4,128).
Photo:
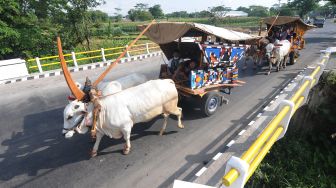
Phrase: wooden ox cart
(215,50)
(297,29)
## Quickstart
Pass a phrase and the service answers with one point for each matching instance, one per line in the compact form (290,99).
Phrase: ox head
(76,110)
(272,53)
(77,118)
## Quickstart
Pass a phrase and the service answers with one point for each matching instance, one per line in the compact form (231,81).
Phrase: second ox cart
(215,51)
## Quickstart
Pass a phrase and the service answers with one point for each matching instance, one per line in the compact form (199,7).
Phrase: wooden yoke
(79,94)
(102,76)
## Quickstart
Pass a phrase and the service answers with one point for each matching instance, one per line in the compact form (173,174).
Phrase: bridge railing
(40,64)
(239,170)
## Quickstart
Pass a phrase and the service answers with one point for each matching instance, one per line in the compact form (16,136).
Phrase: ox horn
(102,76)
(74,89)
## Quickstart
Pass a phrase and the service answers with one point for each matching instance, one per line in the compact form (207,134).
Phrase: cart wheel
(291,58)
(210,103)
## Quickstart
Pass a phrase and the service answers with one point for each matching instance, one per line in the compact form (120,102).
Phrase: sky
(182,5)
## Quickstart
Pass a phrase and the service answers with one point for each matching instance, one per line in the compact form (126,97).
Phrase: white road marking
(217,156)
(259,115)
(199,173)
(241,132)
(251,123)
(230,143)
(272,102)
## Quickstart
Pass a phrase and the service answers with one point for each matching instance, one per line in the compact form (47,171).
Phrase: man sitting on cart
(182,73)
(174,62)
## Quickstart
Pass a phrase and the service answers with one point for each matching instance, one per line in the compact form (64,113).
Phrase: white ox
(73,111)
(119,112)
(277,53)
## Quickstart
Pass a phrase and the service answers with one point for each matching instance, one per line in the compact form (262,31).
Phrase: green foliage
(331,79)
(156,11)
(219,11)
(9,13)
(117,15)
(303,6)
(140,13)
(298,161)
(178,14)
(258,11)
(29,28)
(244,9)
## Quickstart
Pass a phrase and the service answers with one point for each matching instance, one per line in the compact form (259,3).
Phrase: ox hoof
(161,133)
(268,73)
(126,151)
(93,154)
(181,126)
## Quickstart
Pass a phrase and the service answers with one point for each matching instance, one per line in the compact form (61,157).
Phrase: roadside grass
(306,156)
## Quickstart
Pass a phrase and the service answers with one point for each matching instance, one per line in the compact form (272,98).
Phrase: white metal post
(103,54)
(242,167)
(147,50)
(127,53)
(74,59)
(38,64)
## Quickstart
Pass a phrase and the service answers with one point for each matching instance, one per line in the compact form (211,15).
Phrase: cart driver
(174,62)
(183,71)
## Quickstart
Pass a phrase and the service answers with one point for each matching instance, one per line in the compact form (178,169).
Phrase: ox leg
(99,136)
(270,67)
(179,116)
(285,62)
(165,117)
(127,136)
(278,63)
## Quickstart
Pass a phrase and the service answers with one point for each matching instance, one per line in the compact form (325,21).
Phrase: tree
(117,14)
(219,11)
(141,6)
(244,9)
(80,22)
(140,13)
(284,10)
(179,14)
(156,11)
(258,11)
(9,36)
(304,6)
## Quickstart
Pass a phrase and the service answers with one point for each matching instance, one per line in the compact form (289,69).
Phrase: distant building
(236,14)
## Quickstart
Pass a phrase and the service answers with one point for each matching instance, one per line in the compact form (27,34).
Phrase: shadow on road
(41,148)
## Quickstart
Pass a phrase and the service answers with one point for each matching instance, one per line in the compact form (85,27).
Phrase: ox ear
(71,98)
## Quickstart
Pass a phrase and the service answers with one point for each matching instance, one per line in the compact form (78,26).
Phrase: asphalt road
(33,153)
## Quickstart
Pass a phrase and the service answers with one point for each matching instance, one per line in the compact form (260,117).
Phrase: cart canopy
(287,20)
(166,32)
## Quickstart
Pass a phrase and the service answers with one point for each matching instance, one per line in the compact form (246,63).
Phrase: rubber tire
(206,100)
(291,58)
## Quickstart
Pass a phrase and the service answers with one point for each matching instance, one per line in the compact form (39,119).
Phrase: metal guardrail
(77,58)
(239,170)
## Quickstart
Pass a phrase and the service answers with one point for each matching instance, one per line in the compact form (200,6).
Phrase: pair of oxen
(123,102)
(276,53)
